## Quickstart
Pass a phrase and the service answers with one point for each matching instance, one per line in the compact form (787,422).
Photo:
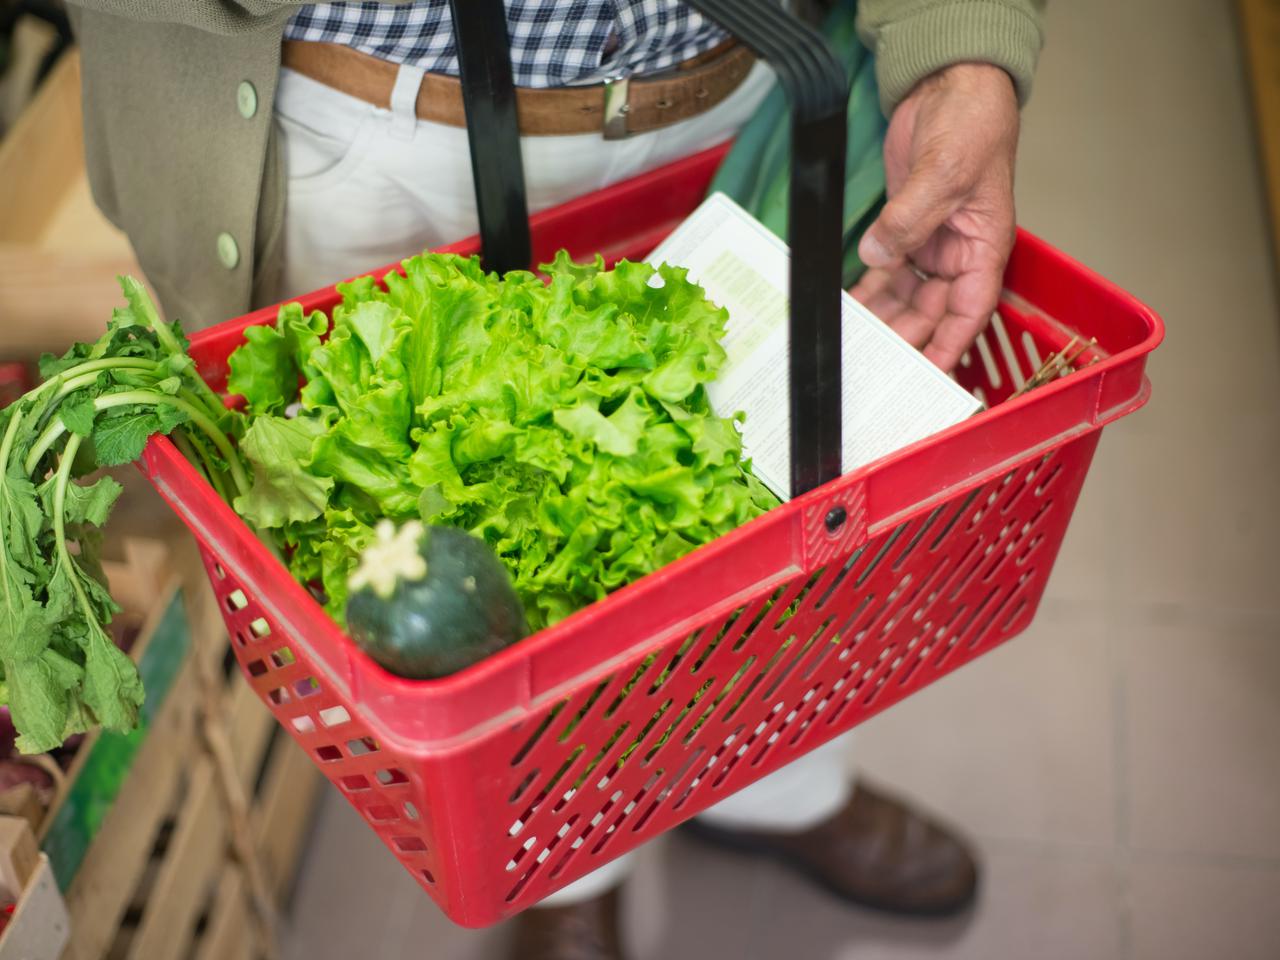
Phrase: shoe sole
(738,843)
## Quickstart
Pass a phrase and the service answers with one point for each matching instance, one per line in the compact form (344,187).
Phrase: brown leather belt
(615,108)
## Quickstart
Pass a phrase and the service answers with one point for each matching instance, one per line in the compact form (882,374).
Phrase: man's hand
(949,157)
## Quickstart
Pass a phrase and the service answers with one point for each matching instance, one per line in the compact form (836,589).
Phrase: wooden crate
(1260,33)
(142,840)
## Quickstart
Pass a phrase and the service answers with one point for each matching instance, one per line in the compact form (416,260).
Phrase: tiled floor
(1120,763)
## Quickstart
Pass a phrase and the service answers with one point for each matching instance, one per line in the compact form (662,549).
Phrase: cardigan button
(246,99)
(228,251)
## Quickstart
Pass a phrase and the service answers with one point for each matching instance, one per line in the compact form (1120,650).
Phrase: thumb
(910,217)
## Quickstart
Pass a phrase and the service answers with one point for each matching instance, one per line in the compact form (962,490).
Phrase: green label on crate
(92,794)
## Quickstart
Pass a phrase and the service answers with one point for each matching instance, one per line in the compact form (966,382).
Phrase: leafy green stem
(62,478)
(57,429)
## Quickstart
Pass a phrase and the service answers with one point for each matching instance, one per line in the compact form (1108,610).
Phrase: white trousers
(366,187)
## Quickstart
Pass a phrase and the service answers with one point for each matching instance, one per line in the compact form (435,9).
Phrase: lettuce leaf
(563,420)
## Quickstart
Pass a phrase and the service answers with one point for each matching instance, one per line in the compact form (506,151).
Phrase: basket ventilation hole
(328,753)
(332,716)
(307,687)
(409,844)
(362,745)
(381,813)
(354,782)
(236,600)
(260,628)
(391,776)
(304,724)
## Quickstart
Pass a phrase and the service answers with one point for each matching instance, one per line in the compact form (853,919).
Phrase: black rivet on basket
(836,519)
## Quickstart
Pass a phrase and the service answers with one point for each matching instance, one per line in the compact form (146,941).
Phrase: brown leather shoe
(876,852)
(581,931)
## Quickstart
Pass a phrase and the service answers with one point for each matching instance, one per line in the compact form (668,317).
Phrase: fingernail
(874,253)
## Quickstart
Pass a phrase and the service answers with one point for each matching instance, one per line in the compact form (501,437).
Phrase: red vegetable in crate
(428,601)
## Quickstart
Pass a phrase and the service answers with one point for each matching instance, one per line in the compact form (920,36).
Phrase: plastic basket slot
(279,696)
(260,628)
(818,633)
(854,628)
(1028,527)
(966,568)
(931,583)
(981,632)
(304,723)
(328,753)
(724,692)
(521,852)
(850,689)
(721,634)
(256,668)
(921,529)
(586,708)
(819,704)
(354,782)
(1015,613)
(554,779)
(1031,351)
(282,657)
(306,687)
(839,578)
(760,676)
(360,746)
(994,380)
(955,518)
(796,602)
(1032,545)
(670,787)
(712,760)
(964,628)
(235,601)
(675,660)
(1016,495)
(827,642)
(665,737)
(627,688)
(538,732)
(870,568)
(391,777)
(1012,363)
(523,785)
(382,813)
(761,610)
(1048,479)
(334,716)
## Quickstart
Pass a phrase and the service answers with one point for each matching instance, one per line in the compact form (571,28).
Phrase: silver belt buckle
(617,91)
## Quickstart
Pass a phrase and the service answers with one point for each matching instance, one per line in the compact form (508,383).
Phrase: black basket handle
(818,90)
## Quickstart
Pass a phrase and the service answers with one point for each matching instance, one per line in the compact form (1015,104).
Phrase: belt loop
(404,101)
(617,95)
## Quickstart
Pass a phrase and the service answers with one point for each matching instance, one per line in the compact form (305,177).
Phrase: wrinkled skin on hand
(937,253)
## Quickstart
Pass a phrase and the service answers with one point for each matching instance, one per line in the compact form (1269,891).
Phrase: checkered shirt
(553,42)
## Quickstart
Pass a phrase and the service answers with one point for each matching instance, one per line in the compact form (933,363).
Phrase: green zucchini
(429,601)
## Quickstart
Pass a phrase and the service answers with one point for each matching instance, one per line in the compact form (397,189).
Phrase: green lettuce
(565,422)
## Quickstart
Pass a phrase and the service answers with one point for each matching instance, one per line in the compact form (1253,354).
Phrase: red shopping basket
(498,785)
